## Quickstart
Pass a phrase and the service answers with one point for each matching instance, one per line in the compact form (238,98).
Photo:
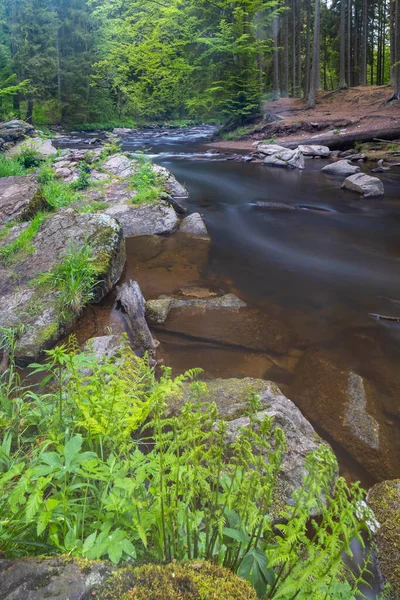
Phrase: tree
(342,58)
(314,80)
(364,38)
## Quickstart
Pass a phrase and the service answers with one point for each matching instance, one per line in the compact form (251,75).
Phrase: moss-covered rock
(177,581)
(384,499)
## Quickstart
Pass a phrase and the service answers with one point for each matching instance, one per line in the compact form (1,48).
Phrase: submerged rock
(104,346)
(346,406)
(314,150)
(194,226)
(231,397)
(364,184)
(157,310)
(18,198)
(36,312)
(341,167)
(384,499)
(289,159)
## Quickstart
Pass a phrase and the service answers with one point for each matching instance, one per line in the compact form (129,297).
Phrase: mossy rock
(176,581)
(384,499)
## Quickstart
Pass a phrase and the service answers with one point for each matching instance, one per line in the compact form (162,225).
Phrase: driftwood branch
(132,302)
(384,317)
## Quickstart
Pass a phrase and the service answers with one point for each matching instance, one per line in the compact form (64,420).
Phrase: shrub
(96,467)
(29,157)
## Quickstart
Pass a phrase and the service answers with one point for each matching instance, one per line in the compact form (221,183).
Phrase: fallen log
(384,317)
(346,140)
(133,304)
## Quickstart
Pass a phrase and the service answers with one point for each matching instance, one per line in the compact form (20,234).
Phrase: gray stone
(172,186)
(231,397)
(17,198)
(269,149)
(41,146)
(289,159)
(122,130)
(40,579)
(365,185)
(157,310)
(13,131)
(103,346)
(341,167)
(195,226)
(314,150)
(36,312)
(120,165)
(155,218)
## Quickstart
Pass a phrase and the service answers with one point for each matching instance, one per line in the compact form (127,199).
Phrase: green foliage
(22,245)
(146,182)
(99,467)
(57,193)
(83,180)
(46,174)
(29,157)
(106,126)
(74,280)
(11,166)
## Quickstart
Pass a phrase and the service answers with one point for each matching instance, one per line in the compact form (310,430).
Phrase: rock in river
(347,407)
(269,149)
(157,310)
(36,311)
(289,159)
(18,198)
(314,150)
(365,185)
(384,499)
(194,226)
(341,167)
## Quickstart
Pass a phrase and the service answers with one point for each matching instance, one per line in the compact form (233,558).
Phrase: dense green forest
(79,61)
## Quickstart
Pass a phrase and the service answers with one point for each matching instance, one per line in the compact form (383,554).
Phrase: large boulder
(341,167)
(171,184)
(270,149)
(384,499)
(40,146)
(119,165)
(289,159)
(36,312)
(222,320)
(13,131)
(231,397)
(314,150)
(194,226)
(365,185)
(347,407)
(18,198)
(69,579)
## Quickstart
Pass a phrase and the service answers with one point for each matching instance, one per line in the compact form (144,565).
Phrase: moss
(37,204)
(48,334)
(176,581)
(384,499)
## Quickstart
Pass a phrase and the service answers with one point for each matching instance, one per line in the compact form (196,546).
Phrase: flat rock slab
(231,397)
(288,159)
(341,167)
(314,150)
(365,185)
(157,311)
(347,407)
(384,499)
(194,226)
(41,146)
(40,579)
(120,165)
(38,312)
(16,197)
(234,326)
(156,218)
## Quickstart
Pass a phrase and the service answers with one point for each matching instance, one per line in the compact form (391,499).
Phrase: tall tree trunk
(342,57)
(396,68)
(29,110)
(308,54)
(293,48)
(314,80)
(286,54)
(275,51)
(349,78)
(299,28)
(364,33)
(392,38)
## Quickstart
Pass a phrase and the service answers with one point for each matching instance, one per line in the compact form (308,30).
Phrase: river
(320,270)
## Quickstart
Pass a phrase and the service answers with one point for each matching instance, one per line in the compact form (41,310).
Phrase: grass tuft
(22,245)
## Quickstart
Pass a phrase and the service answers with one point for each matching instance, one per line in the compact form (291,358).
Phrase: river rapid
(320,269)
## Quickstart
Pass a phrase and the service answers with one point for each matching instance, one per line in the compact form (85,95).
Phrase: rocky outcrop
(314,150)
(384,499)
(18,198)
(12,132)
(40,146)
(69,579)
(365,185)
(289,159)
(119,165)
(171,184)
(222,320)
(231,397)
(35,311)
(347,407)
(341,167)
(194,225)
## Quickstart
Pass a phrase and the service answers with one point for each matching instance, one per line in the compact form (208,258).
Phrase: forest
(140,61)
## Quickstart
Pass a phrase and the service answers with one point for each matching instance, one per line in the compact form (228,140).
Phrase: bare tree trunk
(275,52)
(315,58)
(349,79)
(308,54)
(396,68)
(299,22)
(29,110)
(286,55)
(364,33)
(392,38)
(293,48)
(342,57)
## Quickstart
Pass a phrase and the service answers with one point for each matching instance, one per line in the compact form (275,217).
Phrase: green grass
(94,206)
(59,194)
(22,245)
(146,183)
(11,167)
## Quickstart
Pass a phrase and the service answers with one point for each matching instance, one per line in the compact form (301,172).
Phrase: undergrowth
(97,466)
(22,245)
(11,167)
(147,184)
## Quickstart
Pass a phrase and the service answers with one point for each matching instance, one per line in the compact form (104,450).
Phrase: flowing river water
(319,270)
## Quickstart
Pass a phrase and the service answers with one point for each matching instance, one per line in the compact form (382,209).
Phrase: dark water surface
(320,269)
